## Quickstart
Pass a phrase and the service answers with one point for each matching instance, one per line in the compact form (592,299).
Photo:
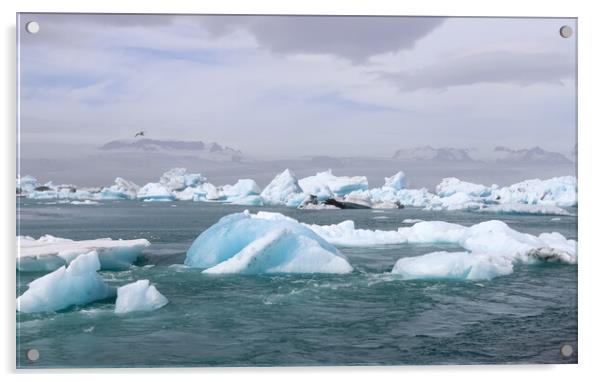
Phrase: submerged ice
(263,243)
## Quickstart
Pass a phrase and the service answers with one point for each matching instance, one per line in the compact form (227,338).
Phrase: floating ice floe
(531,209)
(86,202)
(263,243)
(138,296)
(49,253)
(77,284)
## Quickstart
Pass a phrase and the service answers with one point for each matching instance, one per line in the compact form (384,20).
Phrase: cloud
(355,38)
(488,67)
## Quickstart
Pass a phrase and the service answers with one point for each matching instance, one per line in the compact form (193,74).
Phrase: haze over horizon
(291,86)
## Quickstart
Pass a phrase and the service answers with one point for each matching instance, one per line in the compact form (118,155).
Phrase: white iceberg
(452,265)
(559,191)
(393,194)
(451,186)
(26,184)
(155,192)
(265,242)
(493,249)
(77,284)
(326,185)
(284,190)
(138,296)
(177,179)
(49,253)
(121,190)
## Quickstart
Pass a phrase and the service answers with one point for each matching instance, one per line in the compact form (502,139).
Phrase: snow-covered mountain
(532,155)
(210,151)
(428,153)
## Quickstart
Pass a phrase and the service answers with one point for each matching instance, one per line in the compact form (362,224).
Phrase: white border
(590,125)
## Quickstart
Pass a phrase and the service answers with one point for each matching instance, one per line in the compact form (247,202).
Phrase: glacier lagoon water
(367,317)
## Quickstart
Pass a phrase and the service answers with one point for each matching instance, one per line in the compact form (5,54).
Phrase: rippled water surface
(366,317)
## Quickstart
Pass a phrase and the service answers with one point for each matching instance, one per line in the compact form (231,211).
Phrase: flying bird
(139,134)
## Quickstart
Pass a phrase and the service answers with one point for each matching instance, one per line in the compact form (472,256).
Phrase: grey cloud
(491,67)
(352,37)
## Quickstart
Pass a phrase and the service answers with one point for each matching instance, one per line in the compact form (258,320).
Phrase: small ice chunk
(531,209)
(138,296)
(84,203)
(77,284)
(452,265)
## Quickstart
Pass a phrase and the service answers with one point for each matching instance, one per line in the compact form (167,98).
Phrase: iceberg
(393,194)
(138,296)
(493,247)
(559,191)
(452,265)
(263,243)
(451,186)
(284,190)
(26,184)
(121,190)
(283,251)
(77,284)
(155,192)
(49,253)
(396,182)
(177,179)
(86,202)
(325,185)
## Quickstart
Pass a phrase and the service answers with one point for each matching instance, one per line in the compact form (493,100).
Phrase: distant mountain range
(210,151)
(428,153)
(501,154)
(532,155)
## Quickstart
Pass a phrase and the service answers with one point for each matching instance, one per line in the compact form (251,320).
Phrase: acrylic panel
(249,190)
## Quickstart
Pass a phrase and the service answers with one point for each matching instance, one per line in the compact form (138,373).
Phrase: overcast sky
(290,86)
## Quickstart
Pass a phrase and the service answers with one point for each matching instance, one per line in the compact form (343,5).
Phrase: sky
(288,86)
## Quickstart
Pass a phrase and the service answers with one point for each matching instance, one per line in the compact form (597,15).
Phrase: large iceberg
(138,296)
(121,190)
(49,253)
(326,185)
(284,189)
(77,284)
(263,243)
(559,191)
